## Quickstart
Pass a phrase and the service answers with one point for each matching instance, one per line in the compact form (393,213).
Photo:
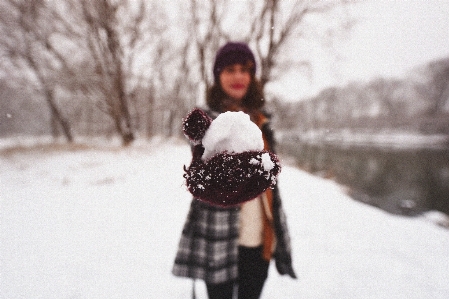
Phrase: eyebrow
(243,66)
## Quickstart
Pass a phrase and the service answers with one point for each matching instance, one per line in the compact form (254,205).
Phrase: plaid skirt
(208,248)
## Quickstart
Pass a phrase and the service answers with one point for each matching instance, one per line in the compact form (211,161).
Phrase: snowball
(233,132)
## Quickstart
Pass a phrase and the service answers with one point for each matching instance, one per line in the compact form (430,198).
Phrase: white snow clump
(266,162)
(233,132)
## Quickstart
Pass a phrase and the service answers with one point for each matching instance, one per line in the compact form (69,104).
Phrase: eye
(230,69)
(246,69)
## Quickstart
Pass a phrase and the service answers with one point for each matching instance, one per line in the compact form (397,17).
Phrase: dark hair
(254,98)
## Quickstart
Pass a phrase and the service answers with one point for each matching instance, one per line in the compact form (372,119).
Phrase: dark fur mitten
(231,179)
(227,178)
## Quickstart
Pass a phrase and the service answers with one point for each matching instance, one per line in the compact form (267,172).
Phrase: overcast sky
(389,39)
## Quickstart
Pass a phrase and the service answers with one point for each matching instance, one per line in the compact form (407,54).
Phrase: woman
(228,247)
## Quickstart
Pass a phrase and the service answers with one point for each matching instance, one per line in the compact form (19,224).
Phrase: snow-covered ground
(104,222)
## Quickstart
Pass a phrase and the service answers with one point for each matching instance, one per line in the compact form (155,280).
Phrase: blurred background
(359,90)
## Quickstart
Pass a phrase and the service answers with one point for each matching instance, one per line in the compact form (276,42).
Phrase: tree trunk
(57,118)
(124,115)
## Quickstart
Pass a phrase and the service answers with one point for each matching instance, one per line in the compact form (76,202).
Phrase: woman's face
(235,80)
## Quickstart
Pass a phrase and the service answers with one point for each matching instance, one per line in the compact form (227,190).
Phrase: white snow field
(104,222)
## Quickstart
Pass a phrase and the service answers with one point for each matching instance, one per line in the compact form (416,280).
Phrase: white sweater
(251,223)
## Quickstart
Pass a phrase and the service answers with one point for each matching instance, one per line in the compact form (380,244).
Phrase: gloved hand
(230,179)
(284,264)
(226,178)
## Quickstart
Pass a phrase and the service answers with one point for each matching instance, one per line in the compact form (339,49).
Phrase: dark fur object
(195,125)
(226,179)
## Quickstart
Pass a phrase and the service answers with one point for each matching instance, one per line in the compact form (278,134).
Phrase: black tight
(253,271)
(221,290)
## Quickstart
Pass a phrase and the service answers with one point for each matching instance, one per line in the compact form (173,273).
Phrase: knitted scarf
(267,199)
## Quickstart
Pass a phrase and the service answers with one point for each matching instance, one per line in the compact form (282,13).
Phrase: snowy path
(105,224)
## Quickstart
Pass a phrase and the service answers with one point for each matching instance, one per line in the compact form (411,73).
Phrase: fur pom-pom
(195,125)
(229,179)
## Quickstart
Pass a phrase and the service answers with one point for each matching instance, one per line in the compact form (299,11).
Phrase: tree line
(418,103)
(133,67)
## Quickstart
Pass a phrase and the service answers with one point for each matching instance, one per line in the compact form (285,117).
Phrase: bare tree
(206,21)
(439,86)
(112,54)
(189,76)
(26,41)
(274,27)
(270,26)
(184,91)
(119,57)
(108,41)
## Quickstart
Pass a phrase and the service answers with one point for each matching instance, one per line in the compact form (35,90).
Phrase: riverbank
(389,139)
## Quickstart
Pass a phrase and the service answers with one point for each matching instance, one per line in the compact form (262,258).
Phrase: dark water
(406,182)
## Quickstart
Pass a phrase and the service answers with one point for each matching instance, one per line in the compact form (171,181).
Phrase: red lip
(238,86)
